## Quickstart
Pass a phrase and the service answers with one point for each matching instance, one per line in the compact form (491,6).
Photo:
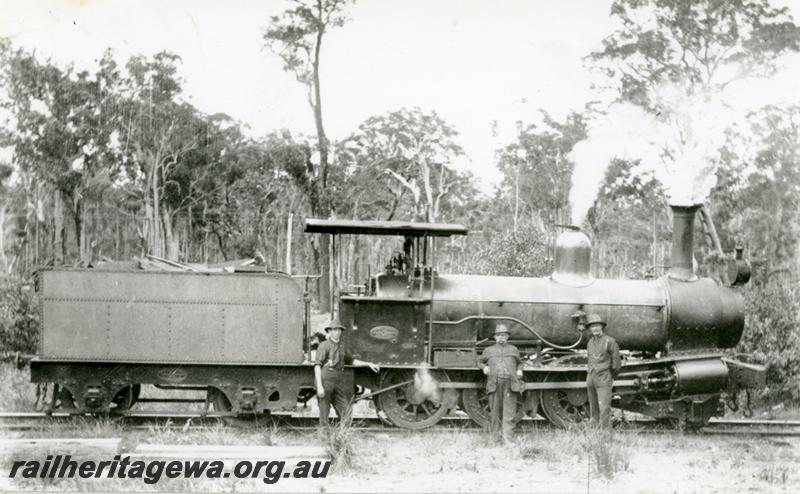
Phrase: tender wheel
(565,407)
(413,406)
(475,403)
(220,403)
(125,398)
(64,399)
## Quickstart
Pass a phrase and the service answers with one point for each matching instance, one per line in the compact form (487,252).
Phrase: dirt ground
(560,462)
(544,461)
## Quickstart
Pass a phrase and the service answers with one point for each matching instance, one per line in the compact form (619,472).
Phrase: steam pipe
(483,317)
(682,260)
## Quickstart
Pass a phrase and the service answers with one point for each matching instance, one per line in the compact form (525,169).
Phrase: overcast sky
(473,61)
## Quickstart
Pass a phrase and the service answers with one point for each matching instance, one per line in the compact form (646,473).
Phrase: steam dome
(573,258)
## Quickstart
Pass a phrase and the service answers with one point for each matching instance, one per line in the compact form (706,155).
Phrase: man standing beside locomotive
(603,366)
(334,383)
(502,365)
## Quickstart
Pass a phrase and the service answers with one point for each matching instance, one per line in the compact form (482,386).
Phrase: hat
(334,324)
(594,319)
(501,329)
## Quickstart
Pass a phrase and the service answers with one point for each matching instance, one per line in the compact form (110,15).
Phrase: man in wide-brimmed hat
(603,365)
(502,365)
(335,383)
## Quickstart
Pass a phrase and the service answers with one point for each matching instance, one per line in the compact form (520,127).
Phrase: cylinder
(701,376)
(682,260)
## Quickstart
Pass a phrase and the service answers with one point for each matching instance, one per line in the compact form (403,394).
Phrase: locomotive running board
(744,375)
(529,386)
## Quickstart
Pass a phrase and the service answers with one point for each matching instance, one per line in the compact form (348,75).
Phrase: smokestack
(682,261)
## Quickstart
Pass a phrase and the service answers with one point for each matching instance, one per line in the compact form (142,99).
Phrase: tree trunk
(147,229)
(156,246)
(80,234)
(319,206)
(117,238)
(289,243)
(189,235)
(59,234)
(221,243)
(172,246)
(3,257)
(322,251)
(204,247)
(36,259)
(317,104)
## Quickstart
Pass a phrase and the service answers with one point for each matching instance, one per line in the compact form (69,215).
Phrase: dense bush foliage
(19,322)
(512,254)
(772,337)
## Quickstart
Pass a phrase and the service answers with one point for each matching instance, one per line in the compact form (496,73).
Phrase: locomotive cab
(388,318)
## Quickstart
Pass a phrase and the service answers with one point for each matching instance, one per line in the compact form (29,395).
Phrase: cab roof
(403,228)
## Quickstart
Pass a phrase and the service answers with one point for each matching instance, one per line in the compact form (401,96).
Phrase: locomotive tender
(243,338)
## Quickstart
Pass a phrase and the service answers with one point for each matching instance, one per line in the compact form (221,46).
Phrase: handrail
(515,320)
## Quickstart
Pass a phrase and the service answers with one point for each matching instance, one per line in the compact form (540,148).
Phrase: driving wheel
(475,403)
(565,407)
(418,404)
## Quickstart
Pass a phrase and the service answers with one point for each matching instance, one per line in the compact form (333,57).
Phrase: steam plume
(681,143)
(425,385)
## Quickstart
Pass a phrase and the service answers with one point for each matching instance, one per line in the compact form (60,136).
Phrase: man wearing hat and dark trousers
(334,382)
(603,365)
(502,365)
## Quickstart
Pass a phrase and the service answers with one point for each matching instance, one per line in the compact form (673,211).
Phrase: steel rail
(196,421)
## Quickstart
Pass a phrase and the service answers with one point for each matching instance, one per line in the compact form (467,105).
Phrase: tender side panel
(170,317)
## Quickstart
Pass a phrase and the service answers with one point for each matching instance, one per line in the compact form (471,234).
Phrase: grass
(17,393)
(774,474)
(609,453)
(466,460)
(340,444)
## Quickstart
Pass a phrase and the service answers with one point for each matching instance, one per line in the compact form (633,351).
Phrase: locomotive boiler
(243,338)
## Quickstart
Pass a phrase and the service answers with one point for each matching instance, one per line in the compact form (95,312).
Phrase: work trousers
(598,385)
(504,409)
(338,386)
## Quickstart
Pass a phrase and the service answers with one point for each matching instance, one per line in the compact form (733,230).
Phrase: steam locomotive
(243,338)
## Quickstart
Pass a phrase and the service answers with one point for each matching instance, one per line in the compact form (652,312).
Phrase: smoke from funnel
(680,144)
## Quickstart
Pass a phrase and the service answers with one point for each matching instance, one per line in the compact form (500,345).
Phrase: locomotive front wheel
(417,405)
(475,403)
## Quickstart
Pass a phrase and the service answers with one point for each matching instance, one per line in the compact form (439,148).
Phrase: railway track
(193,421)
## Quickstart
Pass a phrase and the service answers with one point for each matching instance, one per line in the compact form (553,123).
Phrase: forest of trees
(114,163)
